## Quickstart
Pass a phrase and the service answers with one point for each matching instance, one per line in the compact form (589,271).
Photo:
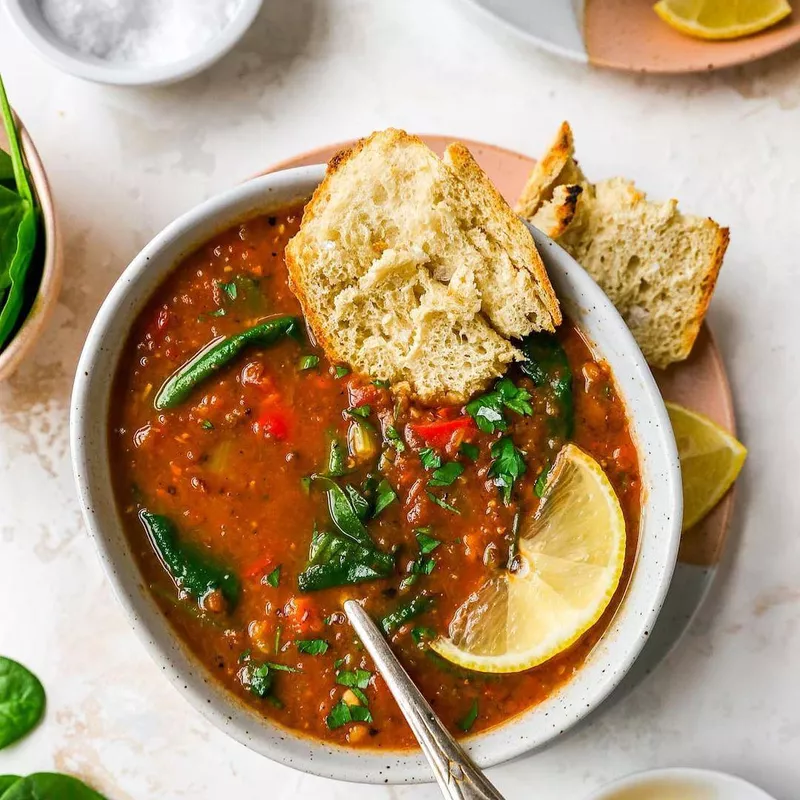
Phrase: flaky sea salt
(138,31)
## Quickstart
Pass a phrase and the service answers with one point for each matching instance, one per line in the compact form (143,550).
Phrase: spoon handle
(457,776)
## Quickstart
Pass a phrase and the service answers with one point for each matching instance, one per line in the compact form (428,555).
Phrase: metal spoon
(457,776)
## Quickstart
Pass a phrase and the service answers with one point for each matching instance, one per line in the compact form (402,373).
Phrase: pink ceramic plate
(699,383)
(628,35)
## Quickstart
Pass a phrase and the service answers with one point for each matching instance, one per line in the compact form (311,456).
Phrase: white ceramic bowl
(28,18)
(680,783)
(607,664)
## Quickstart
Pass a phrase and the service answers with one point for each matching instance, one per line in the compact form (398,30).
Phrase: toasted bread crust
(463,161)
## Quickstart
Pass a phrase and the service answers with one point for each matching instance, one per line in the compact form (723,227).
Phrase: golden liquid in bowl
(665,789)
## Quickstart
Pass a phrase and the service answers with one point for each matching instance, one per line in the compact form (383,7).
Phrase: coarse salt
(138,31)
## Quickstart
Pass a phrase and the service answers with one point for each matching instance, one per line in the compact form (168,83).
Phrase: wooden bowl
(47,294)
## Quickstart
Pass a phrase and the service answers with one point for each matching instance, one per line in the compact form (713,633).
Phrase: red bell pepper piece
(273,421)
(259,567)
(439,433)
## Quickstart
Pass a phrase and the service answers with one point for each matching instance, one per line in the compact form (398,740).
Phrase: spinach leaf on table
(50,786)
(22,701)
(12,210)
(6,169)
(7,781)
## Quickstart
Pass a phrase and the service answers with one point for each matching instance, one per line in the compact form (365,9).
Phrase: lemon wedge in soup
(571,552)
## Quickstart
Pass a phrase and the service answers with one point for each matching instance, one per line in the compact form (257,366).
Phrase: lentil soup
(261,486)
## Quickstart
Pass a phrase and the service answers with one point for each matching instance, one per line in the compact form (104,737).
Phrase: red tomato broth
(229,467)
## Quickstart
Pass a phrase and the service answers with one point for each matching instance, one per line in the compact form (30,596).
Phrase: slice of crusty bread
(414,269)
(658,266)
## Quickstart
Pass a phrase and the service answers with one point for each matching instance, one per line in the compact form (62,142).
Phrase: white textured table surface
(123,163)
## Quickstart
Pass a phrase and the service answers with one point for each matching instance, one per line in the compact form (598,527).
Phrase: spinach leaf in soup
(50,786)
(7,781)
(22,701)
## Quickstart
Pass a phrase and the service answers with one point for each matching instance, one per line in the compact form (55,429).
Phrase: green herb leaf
(380,384)
(344,515)
(360,695)
(441,503)
(426,542)
(446,474)
(405,612)
(280,667)
(243,656)
(207,424)
(517,399)
(258,679)
(342,714)
(422,566)
(430,458)
(395,440)
(341,371)
(360,412)
(421,634)
(274,577)
(470,450)
(507,466)
(50,786)
(487,411)
(6,781)
(308,362)
(337,465)
(546,364)
(338,663)
(360,504)
(358,678)
(384,496)
(219,312)
(312,647)
(469,718)
(22,701)
(230,289)
(541,480)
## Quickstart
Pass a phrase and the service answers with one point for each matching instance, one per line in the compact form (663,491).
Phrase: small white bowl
(680,783)
(606,665)
(28,18)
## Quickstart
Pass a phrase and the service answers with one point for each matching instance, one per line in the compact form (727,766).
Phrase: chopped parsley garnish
(361,412)
(488,409)
(380,384)
(245,655)
(338,663)
(219,312)
(541,481)
(341,714)
(394,439)
(341,371)
(446,474)
(312,647)
(274,577)
(229,289)
(469,718)
(430,458)
(354,678)
(421,633)
(427,544)
(507,466)
(470,450)
(280,667)
(384,496)
(423,565)
(259,680)
(207,424)
(309,362)
(405,612)
(441,503)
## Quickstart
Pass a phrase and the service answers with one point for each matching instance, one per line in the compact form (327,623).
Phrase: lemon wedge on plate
(711,459)
(572,551)
(721,19)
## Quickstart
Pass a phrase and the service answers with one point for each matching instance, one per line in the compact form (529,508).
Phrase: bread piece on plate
(413,269)
(657,265)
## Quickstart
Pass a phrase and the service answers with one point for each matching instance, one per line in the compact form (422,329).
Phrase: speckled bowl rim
(30,23)
(608,662)
(50,285)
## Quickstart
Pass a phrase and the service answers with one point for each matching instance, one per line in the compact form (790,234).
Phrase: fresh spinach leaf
(355,678)
(344,515)
(341,371)
(230,289)
(405,612)
(446,474)
(50,786)
(380,384)
(337,560)
(312,647)
(360,504)
(7,781)
(421,633)
(507,466)
(22,701)
(6,168)
(193,572)
(541,481)
(384,496)
(469,718)
(337,463)
(487,411)
(258,679)
(359,412)
(546,364)
(12,210)
(430,458)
